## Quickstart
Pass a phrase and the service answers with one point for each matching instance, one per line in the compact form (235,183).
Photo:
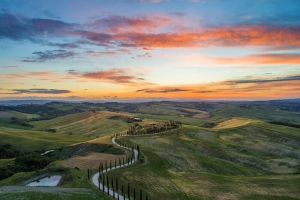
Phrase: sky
(120,49)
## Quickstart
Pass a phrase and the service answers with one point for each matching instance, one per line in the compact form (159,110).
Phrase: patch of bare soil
(91,160)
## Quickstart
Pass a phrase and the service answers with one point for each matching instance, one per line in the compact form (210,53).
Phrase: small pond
(47,181)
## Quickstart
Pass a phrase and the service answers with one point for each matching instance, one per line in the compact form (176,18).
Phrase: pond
(47,181)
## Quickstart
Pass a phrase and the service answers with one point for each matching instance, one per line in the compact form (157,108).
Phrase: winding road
(95,177)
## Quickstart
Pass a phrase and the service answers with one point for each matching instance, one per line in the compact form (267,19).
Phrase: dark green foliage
(7,151)
(22,122)
(128,191)
(83,148)
(118,117)
(285,124)
(209,125)
(50,130)
(46,111)
(30,161)
(26,161)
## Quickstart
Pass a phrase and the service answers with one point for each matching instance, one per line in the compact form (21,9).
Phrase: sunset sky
(105,49)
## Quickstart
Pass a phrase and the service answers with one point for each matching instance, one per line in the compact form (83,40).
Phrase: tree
(107,185)
(133,193)
(112,186)
(128,191)
(117,187)
(103,184)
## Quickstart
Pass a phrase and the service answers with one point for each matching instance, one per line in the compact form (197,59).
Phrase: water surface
(47,181)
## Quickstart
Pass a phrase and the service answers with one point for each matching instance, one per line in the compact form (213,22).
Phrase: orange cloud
(116,76)
(232,89)
(119,24)
(252,35)
(259,59)
(28,74)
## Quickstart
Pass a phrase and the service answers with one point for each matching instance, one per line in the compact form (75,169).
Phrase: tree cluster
(7,151)
(22,122)
(24,162)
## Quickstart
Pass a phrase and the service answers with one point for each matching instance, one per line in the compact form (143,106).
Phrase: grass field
(86,123)
(232,123)
(195,163)
(242,157)
(29,140)
(4,162)
(6,122)
(11,113)
(42,193)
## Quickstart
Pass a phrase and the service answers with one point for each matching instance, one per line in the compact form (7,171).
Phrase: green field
(4,162)
(42,193)
(254,161)
(6,122)
(241,156)
(86,123)
(29,140)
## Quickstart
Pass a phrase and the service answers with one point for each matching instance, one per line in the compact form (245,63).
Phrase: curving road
(95,177)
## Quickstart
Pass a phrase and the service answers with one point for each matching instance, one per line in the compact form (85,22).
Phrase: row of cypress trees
(139,130)
(103,167)
(113,185)
(117,191)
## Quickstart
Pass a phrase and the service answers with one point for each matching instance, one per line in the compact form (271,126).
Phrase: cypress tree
(117,187)
(103,183)
(110,164)
(88,173)
(99,180)
(133,193)
(115,163)
(146,196)
(112,186)
(141,195)
(123,192)
(128,191)
(106,165)
(120,162)
(123,161)
(107,185)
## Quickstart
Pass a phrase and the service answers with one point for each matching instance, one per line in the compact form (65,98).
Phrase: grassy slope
(6,122)
(25,193)
(86,123)
(24,115)
(4,162)
(36,140)
(195,163)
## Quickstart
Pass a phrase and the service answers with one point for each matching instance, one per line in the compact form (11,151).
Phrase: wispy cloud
(256,87)
(279,79)
(119,24)
(116,76)
(40,56)
(259,59)
(38,91)
(166,90)
(10,66)
(139,31)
